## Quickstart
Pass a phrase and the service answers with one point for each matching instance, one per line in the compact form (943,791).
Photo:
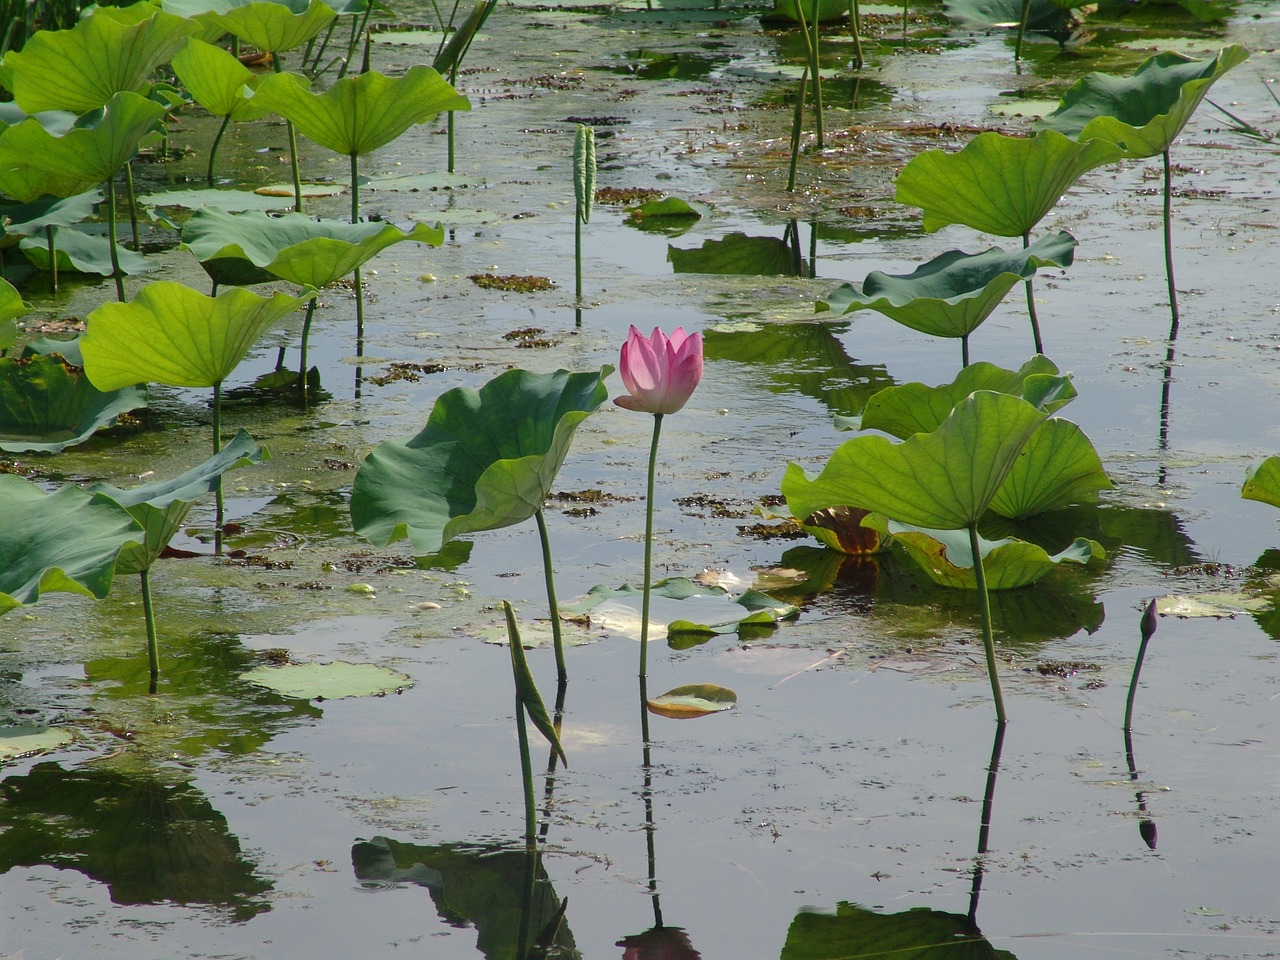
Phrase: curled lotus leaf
(945,479)
(77,252)
(999,184)
(66,541)
(105,53)
(692,701)
(526,689)
(486,459)
(215,78)
(172,334)
(1058,467)
(1143,113)
(1262,482)
(946,556)
(48,404)
(952,294)
(29,219)
(361,113)
(270,25)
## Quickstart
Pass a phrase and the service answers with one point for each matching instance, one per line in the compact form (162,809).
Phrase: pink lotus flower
(660,372)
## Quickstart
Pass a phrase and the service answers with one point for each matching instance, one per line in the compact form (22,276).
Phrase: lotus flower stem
(562,674)
(1022,29)
(1031,303)
(1168,239)
(116,274)
(148,614)
(984,610)
(648,554)
(213,150)
(1148,629)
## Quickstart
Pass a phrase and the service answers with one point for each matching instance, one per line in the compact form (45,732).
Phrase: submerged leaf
(329,681)
(486,459)
(47,404)
(693,700)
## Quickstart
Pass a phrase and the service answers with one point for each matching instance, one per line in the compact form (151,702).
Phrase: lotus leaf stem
(526,777)
(293,146)
(220,508)
(148,614)
(796,123)
(548,572)
(53,257)
(855,32)
(1022,29)
(213,150)
(1031,303)
(133,205)
(648,561)
(984,610)
(116,274)
(1168,239)
(355,34)
(306,331)
(815,55)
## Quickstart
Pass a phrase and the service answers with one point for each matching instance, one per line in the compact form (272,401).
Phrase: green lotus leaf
(12,305)
(827,10)
(29,219)
(66,541)
(86,156)
(172,334)
(57,122)
(946,556)
(953,293)
(684,612)
(293,247)
(486,459)
(361,113)
(328,681)
(273,26)
(29,740)
(1048,16)
(8,335)
(1218,605)
(215,79)
(160,507)
(1262,482)
(998,184)
(941,480)
(211,199)
(693,700)
(46,404)
(81,69)
(910,408)
(1057,467)
(739,255)
(915,934)
(78,252)
(1143,113)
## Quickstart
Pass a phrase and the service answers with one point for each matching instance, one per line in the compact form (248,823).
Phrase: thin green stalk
(1168,238)
(855,31)
(213,150)
(548,572)
(116,274)
(133,205)
(1148,628)
(293,145)
(797,123)
(648,559)
(1031,303)
(359,282)
(355,33)
(306,331)
(526,778)
(984,610)
(1022,29)
(217,448)
(355,188)
(553,761)
(53,257)
(577,252)
(964,350)
(815,54)
(647,794)
(905,4)
(148,614)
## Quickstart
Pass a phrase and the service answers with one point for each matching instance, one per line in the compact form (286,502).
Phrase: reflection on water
(150,839)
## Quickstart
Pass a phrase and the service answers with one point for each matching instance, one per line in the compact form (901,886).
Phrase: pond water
(841,807)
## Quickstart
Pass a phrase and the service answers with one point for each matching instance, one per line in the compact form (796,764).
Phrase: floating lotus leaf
(1143,113)
(940,480)
(693,700)
(160,507)
(915,934)
(106,53)
(1262,482)
(66,541)
(211,199)
(78,252)
(1057,467)
(1222,605)
(947,558)
(29,219)
(739,255)
(953,293)
(28,740)
(328,681)
(361,113)
(271,25)
(910,408)
(86,156)
(172,334)
(683,611)
(486,459)
(998,184)
(215,78)
(46,404)
(293,247)
(1048,16)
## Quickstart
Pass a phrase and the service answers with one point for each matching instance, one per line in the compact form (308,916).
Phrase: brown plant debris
(512,283)
(412,372)
(786,530)
(627,196)
(1065,668)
